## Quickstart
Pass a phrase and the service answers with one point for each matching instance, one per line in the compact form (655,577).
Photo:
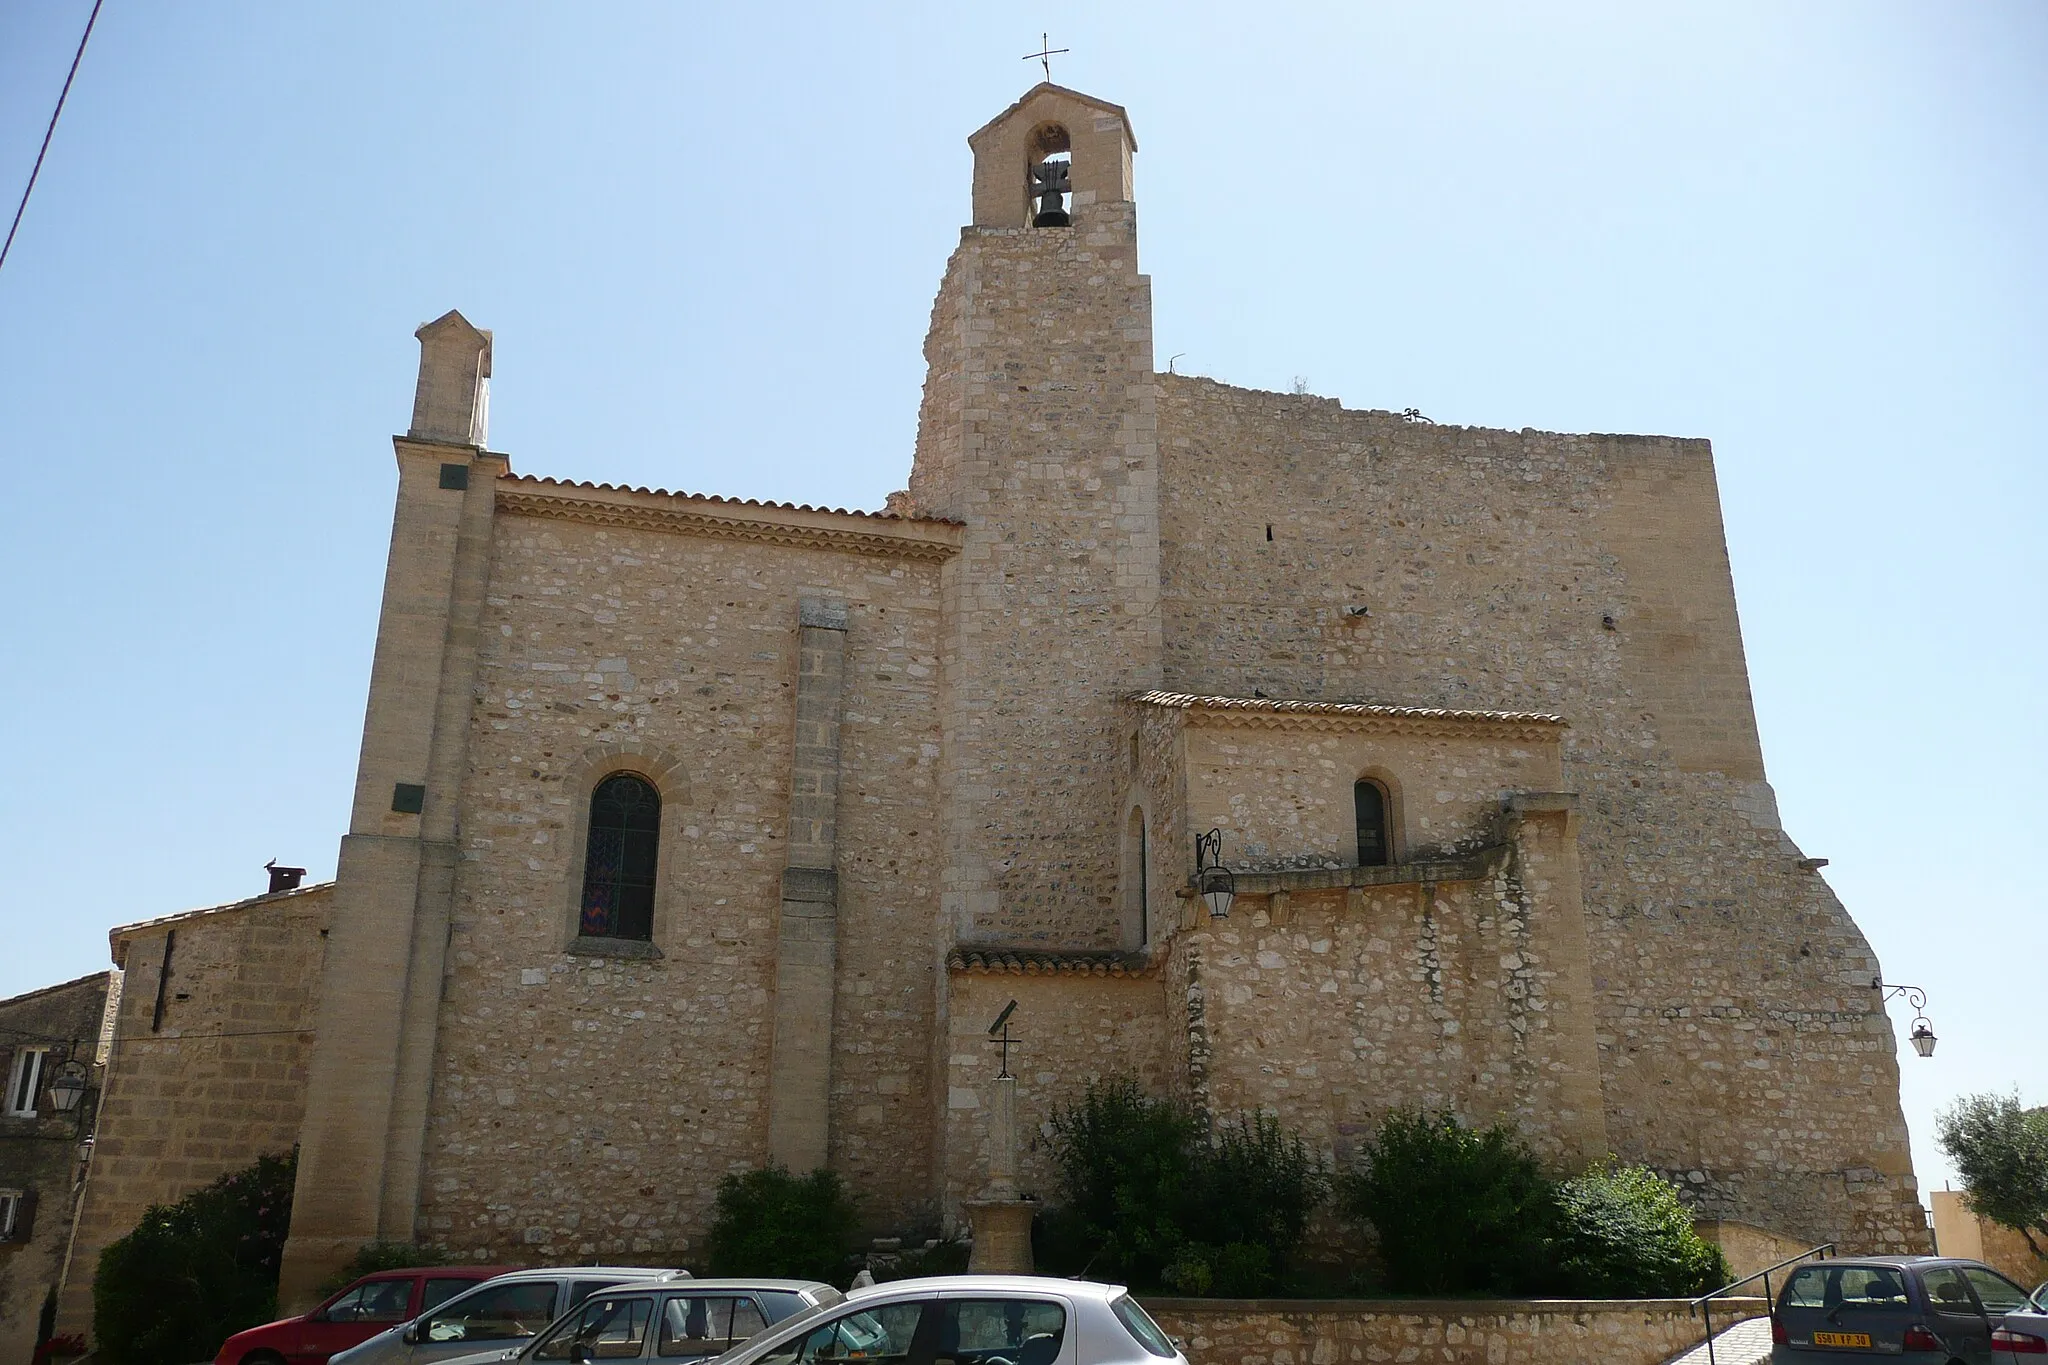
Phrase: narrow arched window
(619,858)
(1136,880)
(1375,848)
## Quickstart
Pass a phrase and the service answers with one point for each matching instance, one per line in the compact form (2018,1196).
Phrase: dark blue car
(1921,1310)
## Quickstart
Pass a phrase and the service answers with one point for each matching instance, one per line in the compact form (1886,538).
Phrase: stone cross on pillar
(1002,1141)
(1000,1220)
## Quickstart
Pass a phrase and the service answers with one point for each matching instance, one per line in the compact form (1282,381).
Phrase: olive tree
(2001,1152)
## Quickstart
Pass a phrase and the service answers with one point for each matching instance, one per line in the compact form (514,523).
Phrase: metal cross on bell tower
(1046,52)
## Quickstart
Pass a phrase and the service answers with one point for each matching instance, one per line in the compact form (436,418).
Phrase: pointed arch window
(1375,842)
(619,859)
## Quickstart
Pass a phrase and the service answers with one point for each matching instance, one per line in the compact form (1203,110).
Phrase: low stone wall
(1438,1331)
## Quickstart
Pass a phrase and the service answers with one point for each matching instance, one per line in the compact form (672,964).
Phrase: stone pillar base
(1002,1236)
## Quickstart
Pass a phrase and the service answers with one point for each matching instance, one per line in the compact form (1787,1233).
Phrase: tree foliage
(769,1222)
(1457,1209)
(2001,1152)
(194,1273)
(1621,1232)
(1153,1198)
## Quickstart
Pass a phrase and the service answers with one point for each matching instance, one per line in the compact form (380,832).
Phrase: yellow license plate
(1841,1338)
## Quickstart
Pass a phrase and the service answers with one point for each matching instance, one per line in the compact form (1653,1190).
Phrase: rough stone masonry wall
(586,1105)
(1037,431)
(1446,996)
(218,1081)
(1429,1332)
(39,1153)
(1074,1027)
(1283,797)
(1741,1047)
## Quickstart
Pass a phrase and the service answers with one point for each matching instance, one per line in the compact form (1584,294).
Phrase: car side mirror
(412,1333)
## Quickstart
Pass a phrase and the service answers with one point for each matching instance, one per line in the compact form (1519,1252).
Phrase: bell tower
(1037,431)
(1084,142)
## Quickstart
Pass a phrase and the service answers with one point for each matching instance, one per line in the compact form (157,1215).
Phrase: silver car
(505,1312)
(679,1320)
(2024,1331)
(969,1320)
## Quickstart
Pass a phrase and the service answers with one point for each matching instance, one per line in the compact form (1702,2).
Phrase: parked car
(2024,1333)
(503,1312)
(353,1316)
(1925,1310)
(969,1320)
(671,1319)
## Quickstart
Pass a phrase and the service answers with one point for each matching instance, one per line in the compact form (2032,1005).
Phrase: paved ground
(1746,1343)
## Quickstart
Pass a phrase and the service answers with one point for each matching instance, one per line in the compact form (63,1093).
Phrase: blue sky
(1809,232)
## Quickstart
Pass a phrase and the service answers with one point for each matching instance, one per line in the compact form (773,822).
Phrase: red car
(353,1316)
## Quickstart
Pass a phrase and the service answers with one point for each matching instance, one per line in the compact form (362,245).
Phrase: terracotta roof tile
(715,499)
(1186,701)
(1030,962)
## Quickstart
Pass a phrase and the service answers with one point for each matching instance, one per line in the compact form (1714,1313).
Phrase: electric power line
(50,131)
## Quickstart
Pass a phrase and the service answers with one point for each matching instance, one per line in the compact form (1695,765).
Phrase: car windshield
(2040,1297)
(605,1328)
(495,1312)
(1845,1286)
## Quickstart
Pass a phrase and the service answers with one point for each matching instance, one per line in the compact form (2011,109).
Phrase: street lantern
(1922,1036)
(69,1087)
(1214,883)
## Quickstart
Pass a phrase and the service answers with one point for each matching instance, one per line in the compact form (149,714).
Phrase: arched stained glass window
(619,859)
(1375,848)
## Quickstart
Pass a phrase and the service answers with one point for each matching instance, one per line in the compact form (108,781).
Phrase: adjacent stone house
(205,1061)
(693,832)
(50,1049)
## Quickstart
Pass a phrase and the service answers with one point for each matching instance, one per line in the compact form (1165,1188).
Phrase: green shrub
(372,1257)
(1457,1210)
(194,1273)
(1622,1233)
(769,1222)
(1124,1164)
(1153,1200)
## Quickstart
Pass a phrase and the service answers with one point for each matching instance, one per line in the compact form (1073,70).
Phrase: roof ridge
(102,973)
(723,500)
(118,930)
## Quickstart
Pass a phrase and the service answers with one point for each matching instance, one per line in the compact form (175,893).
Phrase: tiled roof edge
(1033,962)
(1187,701)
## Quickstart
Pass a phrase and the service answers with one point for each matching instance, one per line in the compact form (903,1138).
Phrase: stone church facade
(692,833)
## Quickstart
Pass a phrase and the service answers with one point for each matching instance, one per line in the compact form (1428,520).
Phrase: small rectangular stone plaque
(408,798)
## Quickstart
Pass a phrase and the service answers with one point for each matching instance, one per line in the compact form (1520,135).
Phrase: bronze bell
(1049,182)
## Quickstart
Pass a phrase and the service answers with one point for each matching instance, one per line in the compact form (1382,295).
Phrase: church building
(693,833)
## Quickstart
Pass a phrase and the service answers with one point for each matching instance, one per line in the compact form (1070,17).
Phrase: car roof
(1896,1262)
(623,1272)
(984,1286)
(730,1282)
(482,1272)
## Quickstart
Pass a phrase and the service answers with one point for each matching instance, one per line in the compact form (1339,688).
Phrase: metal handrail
(1703,1305)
